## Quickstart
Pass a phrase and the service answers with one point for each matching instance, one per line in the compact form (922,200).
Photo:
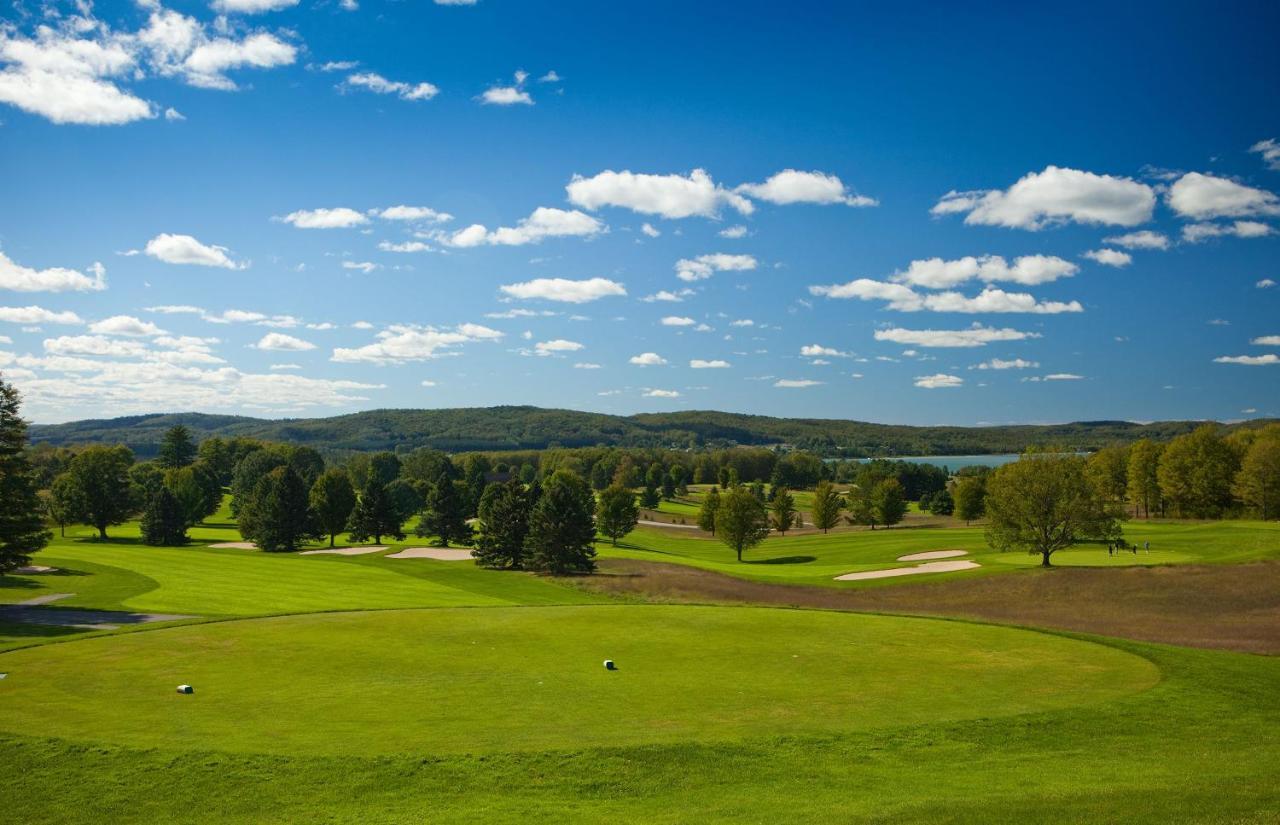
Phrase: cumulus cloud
(1001,364)
(1199,232)
(543,222)
(278,341)
(904,299)
(796,383)
(586,365)
(974,336)
(407,246)
(650,230)
(819,351)
(1265,283)
(677,321)
(564,289)
(422,214)
(647,359)
(1055,376)
(1203,197)
(361,266)
(1054,196)
(661,394)
(667,296)
(125,325)
(376,83)
(704,266)
(793,186)
(557,345)
(336,218)
(31,315)
(671,196)
(184,249)
(402,343)
(1266,341)
(1109,257)
(733,232)
(251,6)
(55,279)
(1270,151)
(1142,239)
(715,364)
(1028,270)
(1249,360)
(938,381)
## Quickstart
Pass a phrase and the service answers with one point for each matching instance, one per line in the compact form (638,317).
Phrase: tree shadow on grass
(782,560)
(24,630)
(11,582)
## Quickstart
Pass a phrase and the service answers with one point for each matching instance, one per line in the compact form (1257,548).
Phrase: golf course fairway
(477,680)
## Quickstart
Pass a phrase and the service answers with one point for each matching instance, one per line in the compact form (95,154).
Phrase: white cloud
(37,315)
(99,345)
(543,222)
(251,6)
(506,96)
(650,230)
(1028,270)
(716,364)
(284,367)
(558,345)
(403,343)
(1265,283)
(903,299)
(1001,364)
(819,351)
(361,266)
(742,322)
(179,309)
(704,266)
(423,214)
(1266,341)
(1053,196)
(207,64)
(240,316)
(278,341)
(1142,239)
(456,2)
(975,336)
(1199,232)
(125,325)
(667,296)
(55,279)
(938,381)
(184,249)
(671,196)
(867,289)
(1109,257)
(171,114)
(733,232)
(564,290)
(647,359)
(361,325)
(796,383)
(337,218)
(793,186)
(586,365)
(1056,376)
(1249,360)
(1201,197)
(1270,151)
(677,321)
(661,394)
(376,83)
(549,77)
(407,246)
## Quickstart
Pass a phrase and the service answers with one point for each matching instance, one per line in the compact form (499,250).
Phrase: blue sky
(922,215)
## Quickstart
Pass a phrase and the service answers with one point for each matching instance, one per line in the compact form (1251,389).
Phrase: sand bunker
(32,569)
(437,553)
(933,554)
(345,551)
(648,523)
(234,545)
(930,567)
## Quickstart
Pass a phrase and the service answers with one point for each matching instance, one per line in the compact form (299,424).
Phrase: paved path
(33,611)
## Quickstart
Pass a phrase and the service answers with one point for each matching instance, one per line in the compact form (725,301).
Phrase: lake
(955,462)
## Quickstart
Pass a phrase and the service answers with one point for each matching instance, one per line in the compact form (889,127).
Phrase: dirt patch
(345,551)
(437,553)
(933,554)
(919,569)
(1233,607)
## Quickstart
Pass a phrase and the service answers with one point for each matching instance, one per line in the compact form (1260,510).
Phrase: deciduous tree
(741,521)
(332,499)
(164,522)
(782,510)
(102,473)
(827,505)
(707,512)
(616,512)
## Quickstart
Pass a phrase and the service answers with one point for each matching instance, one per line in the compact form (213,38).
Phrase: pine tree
(707,512)
(445,514)
(616,512)
(279,519)
(164,522)
(177,449)
(649,499)
(504,526)
(332,499)
(562,530)
(21,526)
(375,516)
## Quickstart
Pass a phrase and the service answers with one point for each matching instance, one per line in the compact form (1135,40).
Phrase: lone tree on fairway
(21,527)
(332,499)
(826,506)
(445,514)
(504,525)
(741,521)
(561,527)
(177,449)
(277,518)
(164,523)
(782,510)
(102,474)
(616,512)
(375,515)
(970,498)
(888,501)
(1042,503)
(707,512)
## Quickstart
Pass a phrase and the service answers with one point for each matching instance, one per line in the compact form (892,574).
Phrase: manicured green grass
(816,558)
(441,681)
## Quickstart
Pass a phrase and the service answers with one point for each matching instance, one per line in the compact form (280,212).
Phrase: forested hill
(502,428)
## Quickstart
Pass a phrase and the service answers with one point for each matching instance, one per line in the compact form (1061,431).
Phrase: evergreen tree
(177,449)
(307,463)
(21,526)
(216,453)
(332,499)
(562,530)
(707,512)
(384,468)
(445,514)
(476,469)
(826,506)
(741,521)
(616,512)
(678,477)
(888,501)
(668,486)
(941,504)
(504,525)
(757,490)
(278,518)
(405,498)
(248,472)
(782,510)
(164,522)
(649,499)
(723,478)
(375,516)
(102,474)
